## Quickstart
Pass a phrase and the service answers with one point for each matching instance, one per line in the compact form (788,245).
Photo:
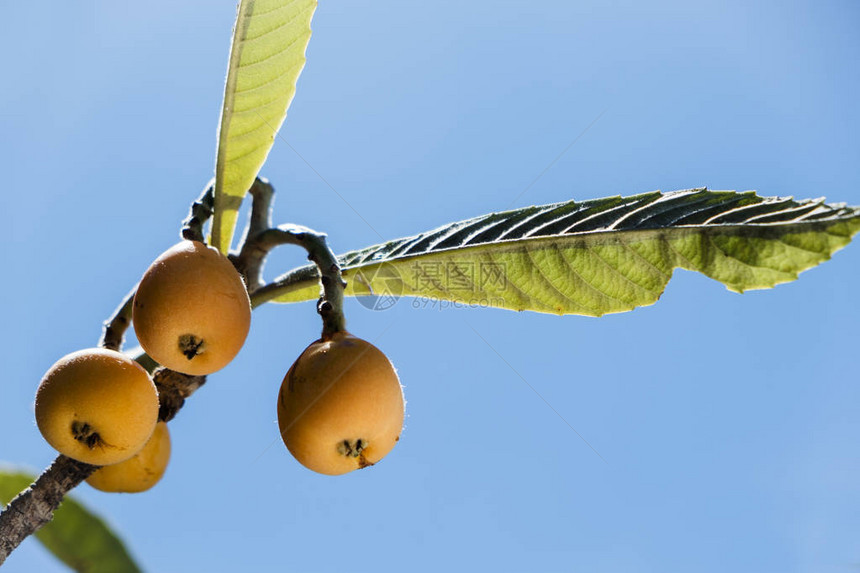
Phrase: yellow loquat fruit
(191,311)
(140,472)
(96,406)
(340,406)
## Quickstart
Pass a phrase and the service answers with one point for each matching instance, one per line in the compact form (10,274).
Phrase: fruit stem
(330,304)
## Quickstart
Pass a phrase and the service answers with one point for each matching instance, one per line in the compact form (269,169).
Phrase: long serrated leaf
(266,57)
(595,257)
(75,536)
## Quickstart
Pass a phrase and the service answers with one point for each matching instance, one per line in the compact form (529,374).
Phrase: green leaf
(75,536)
(266,57)
(595,257)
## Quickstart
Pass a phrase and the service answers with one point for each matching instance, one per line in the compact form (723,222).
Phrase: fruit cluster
(340,406)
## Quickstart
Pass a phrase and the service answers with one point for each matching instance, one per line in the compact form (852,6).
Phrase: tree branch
(173,388)
(34,507)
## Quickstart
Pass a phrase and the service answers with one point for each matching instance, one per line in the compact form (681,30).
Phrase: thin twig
(262,193)
(252,256)
(145,360)
(296,279)
(201,210)
(330,304)
(114,328)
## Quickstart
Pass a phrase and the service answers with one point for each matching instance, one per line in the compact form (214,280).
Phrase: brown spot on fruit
(190,346)
(85,434)
(351,448)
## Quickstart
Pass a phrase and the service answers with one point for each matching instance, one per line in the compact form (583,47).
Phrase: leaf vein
(587,283)
(617,271)
(245,65)
(546,279)
(279,26)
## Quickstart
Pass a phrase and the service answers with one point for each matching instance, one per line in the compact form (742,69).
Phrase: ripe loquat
(340,406)
(140,472)
(96,406)
(191,311)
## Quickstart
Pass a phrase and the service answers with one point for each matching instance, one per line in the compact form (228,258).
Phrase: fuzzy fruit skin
(96,406)
(192,290)
(340,391)
(140,472)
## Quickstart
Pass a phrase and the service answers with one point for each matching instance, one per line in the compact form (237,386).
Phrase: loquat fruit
(96,406)
(340,406)
(191,310)
(140,472)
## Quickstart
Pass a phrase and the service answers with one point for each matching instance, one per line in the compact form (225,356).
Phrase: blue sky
(727,422)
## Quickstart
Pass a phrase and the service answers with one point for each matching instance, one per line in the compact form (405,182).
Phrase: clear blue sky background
(728,422)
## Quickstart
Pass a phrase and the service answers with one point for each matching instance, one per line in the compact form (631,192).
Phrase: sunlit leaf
(266,57)
(595,257)
(75,536)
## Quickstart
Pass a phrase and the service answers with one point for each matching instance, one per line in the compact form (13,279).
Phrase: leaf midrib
(243,20)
